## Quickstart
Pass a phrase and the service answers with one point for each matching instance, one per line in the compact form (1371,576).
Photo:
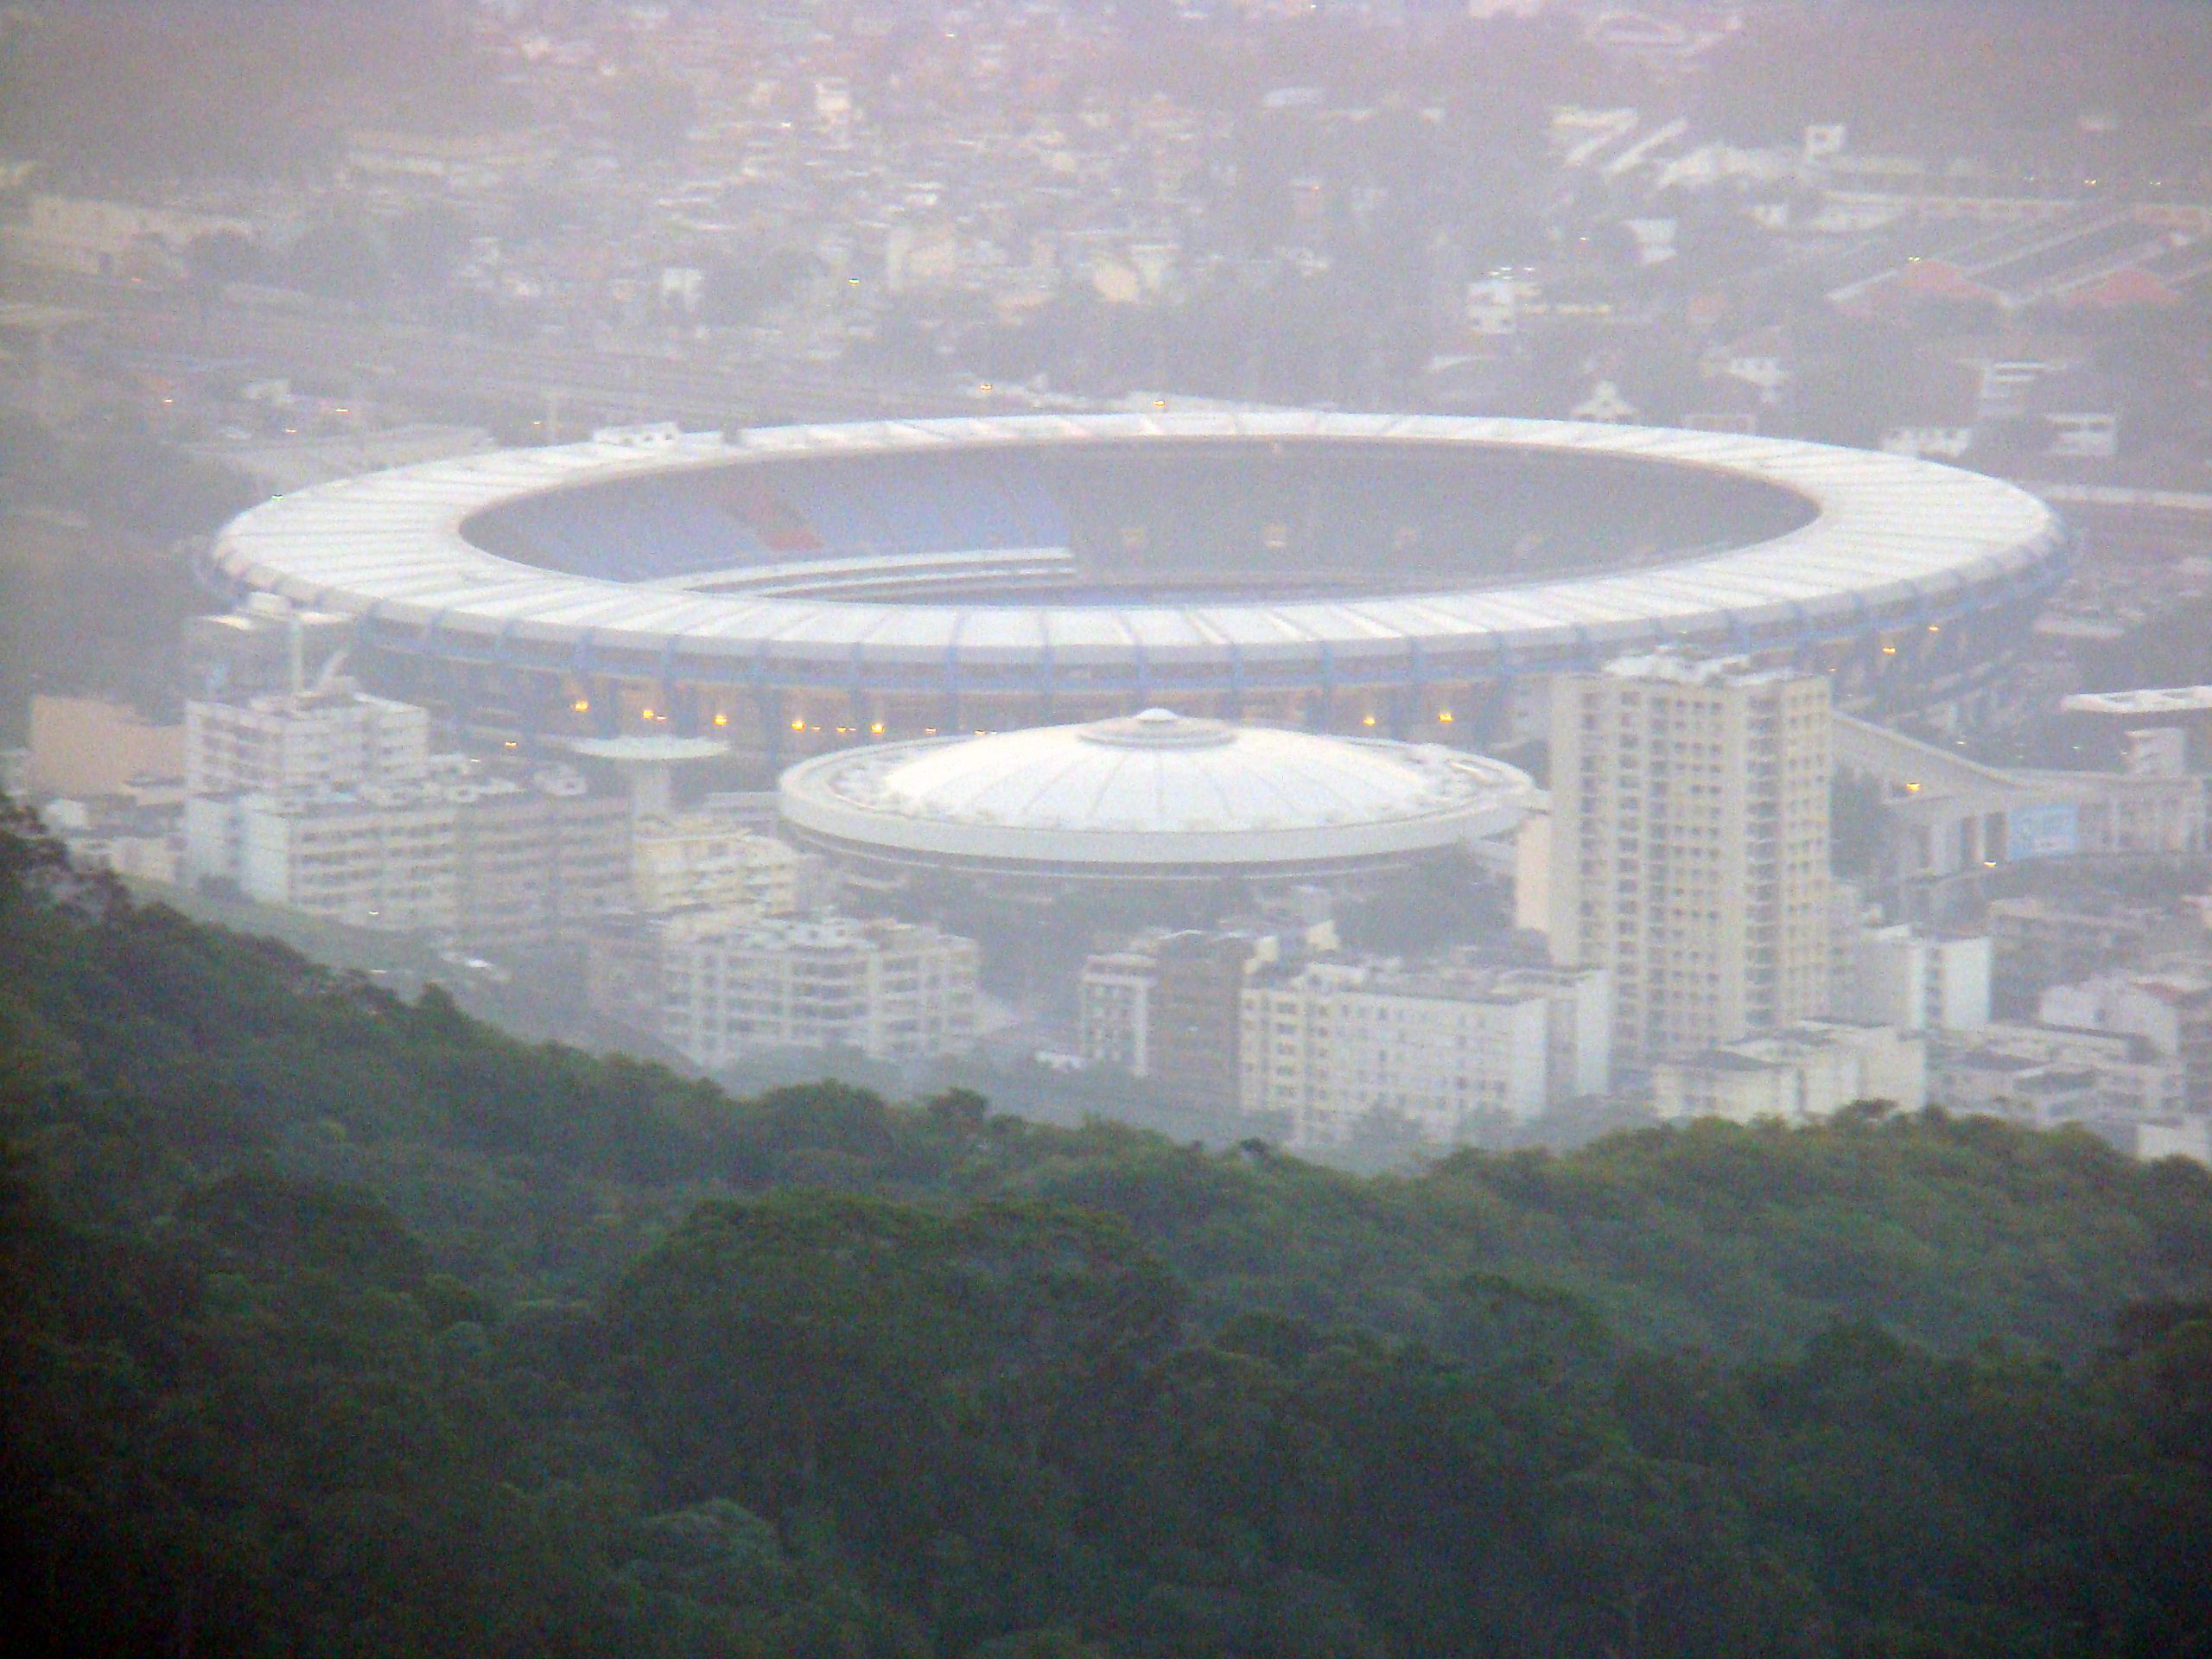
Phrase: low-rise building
(716,985)
(115,835)
(496,863)
(1444,1051)
(2169,1006)
(330,738)
(2048,1073)
(1894,975)
(1801,1072)
(714,859)
(1997,1082)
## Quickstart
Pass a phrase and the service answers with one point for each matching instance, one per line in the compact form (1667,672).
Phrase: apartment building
(382,857)
(1689,846)
(2047,1074)
(494,863)
(282,742)
(1806,1070)
(1889,974)
(716,860)
(716,985)
(1444,1050)
(1167,1006)
(1114,1008)
(537,861)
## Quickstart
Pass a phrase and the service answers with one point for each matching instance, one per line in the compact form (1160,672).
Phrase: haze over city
(1079,828)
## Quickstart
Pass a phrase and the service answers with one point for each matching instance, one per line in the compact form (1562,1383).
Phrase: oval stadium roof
(1892,540)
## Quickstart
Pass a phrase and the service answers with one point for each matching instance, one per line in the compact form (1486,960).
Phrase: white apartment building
(1336,1046)
(1578,1026)
(711,859)
(1689,846)
(2047,1074)
(384,856)
(1890,974)
(1804,1071)
(728,985)
(2169,1006)
(272,786)
(492,862)
(1114,1013)
(278,742)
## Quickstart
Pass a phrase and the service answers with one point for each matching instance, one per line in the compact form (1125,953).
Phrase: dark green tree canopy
(340,1324)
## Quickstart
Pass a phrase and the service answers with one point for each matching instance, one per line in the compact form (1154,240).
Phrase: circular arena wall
(799,588)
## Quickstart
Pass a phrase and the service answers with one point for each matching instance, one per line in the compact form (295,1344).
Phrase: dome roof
(1156,788)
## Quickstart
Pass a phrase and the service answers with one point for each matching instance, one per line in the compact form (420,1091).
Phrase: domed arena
(1151,799)
(798,589)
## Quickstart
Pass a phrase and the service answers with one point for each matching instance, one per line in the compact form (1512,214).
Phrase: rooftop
(1155,788)
(1676,667)
(2159,700)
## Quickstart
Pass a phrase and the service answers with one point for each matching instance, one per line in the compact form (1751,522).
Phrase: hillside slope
(348,1325)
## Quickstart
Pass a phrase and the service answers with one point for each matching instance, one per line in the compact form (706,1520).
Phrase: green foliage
(341,1324)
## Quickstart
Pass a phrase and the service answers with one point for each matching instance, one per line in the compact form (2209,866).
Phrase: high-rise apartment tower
(1689,846)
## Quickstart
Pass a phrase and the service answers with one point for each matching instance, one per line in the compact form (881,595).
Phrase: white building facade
(1890,974)
(1689,847)
(1805,1072)
(711,859)
(2048,1074)
(322,740)
(894,991)
(385,857)
(1114,1009)
(1337,1047)
(495,862)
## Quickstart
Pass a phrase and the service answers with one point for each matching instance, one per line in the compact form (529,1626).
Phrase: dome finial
(1158,728)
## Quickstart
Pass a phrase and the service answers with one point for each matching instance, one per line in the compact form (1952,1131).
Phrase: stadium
(796,589)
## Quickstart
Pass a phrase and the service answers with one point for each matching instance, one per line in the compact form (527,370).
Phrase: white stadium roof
(1153,789)
(1893,540)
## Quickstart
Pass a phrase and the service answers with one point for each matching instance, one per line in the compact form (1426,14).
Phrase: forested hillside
(342,1325)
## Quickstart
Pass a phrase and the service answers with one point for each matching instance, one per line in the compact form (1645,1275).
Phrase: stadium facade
(799,588)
